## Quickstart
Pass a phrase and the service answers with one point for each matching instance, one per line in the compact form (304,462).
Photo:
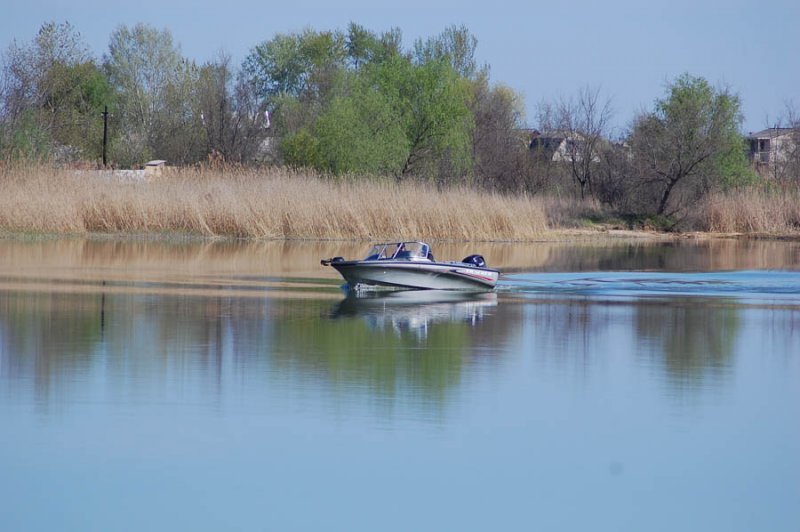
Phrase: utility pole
(105,134)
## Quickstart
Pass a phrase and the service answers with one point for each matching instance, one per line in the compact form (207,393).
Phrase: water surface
(207,386)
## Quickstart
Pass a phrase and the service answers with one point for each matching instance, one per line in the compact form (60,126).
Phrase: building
(773,147)
(560,146)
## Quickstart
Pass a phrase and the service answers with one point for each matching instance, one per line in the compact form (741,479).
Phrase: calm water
(223,386)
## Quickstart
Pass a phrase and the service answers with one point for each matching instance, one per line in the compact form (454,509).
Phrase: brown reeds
(262,204)
(752,211)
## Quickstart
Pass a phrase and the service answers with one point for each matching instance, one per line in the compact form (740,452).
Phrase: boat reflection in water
(415,311)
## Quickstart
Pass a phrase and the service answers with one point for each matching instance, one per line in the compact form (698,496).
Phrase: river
(196,385)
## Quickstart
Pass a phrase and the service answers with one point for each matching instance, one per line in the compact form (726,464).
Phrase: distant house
(773,147)
(559,146)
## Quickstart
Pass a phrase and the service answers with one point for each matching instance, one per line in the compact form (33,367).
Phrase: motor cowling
(327,262)
(475,260)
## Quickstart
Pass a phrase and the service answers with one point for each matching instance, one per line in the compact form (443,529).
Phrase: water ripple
(753,285)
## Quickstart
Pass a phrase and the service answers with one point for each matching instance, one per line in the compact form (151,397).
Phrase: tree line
(359,102)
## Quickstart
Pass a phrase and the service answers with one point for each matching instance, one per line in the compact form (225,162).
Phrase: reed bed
(752,211)
(263,204)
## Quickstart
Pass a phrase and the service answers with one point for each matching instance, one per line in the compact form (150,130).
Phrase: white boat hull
(418,275)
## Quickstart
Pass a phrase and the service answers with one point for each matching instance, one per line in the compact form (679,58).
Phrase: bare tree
(582,122)
(784,153)
(792,118)
(233,115)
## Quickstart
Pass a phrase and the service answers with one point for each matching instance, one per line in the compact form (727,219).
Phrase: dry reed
(751,211)
(264,204)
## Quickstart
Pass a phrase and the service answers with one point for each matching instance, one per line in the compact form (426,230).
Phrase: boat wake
(757,286)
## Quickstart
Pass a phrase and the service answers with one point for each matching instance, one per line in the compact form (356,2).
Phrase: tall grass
(272,203)
(278,203)
(751,211)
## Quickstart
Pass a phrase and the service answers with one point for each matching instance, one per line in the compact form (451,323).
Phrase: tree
(354,103)
(51,94)
(76,96)
(176,132)
(456,46)
(689,144)
(784,163)
(296,63)
(252,133)
(141,64)
(791,119)
(292,76)
(499,144)
(360,132)
(432,102)
(583,121)
(365,47)
(216,106)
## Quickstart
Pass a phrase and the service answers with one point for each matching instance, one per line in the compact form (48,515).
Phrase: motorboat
(410,265)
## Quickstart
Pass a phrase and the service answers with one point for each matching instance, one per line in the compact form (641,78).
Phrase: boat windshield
(399,250)
(380,251)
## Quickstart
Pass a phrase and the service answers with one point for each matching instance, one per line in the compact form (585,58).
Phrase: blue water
(744,286)
(599,400)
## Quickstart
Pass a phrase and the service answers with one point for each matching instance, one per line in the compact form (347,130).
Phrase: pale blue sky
(544,50)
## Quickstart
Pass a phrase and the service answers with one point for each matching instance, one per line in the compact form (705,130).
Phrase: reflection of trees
(43,336)
(393,349)
(568,334)
(159,342)
(348,353)
(695,340)
(673,256)
(148,342)
(692,341)
(159,346)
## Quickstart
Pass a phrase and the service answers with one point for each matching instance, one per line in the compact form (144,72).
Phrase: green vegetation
(689,145)
(359,103)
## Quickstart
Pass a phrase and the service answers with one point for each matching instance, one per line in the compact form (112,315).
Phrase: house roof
(549,144)
(770,133)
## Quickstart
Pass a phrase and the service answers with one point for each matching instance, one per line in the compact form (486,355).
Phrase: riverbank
(278,203)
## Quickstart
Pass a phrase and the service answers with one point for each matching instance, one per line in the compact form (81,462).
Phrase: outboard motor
(476,260)
(327,262)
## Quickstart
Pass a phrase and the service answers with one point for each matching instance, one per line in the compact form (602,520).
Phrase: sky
(629,50)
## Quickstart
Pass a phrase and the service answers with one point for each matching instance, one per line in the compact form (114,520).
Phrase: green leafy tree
(360,132)
(365,47)
(77,94)
(688,145)
(301,149)
(456,46)
(354,102)
(398,118)
(52,93)
(292,76)
(297,63)
(433,104)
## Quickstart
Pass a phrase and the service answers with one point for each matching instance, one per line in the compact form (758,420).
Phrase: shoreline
(550,236)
